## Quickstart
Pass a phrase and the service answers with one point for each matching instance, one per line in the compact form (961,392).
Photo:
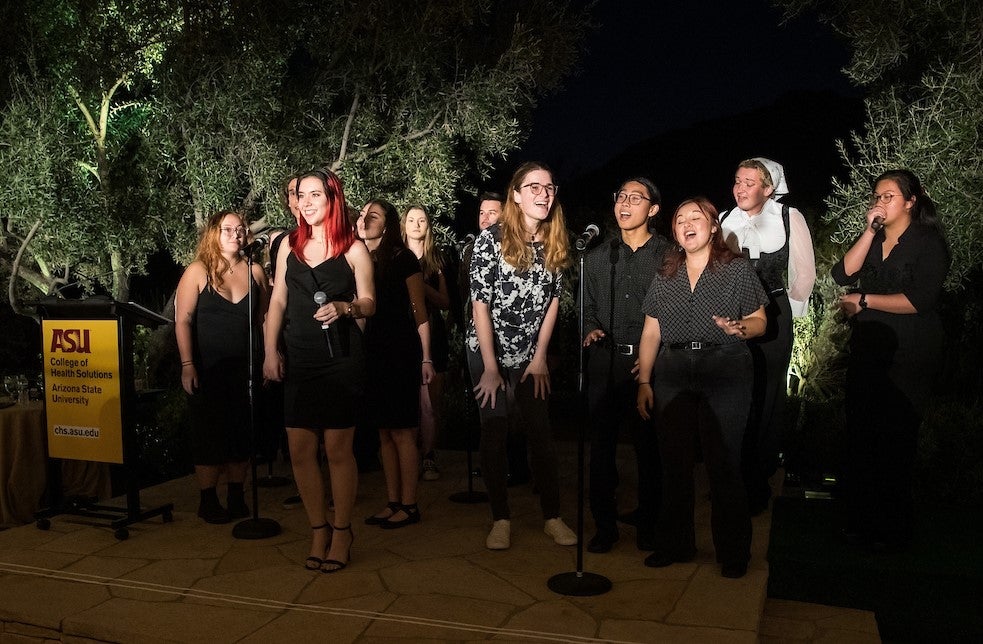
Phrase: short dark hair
(491,196)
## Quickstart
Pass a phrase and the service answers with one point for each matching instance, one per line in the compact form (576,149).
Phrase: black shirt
(730,290)
(633,273)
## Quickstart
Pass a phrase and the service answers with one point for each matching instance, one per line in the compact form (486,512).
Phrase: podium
(90,399)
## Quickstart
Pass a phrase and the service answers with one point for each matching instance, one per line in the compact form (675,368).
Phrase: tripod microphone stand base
(256,528)
(579,584)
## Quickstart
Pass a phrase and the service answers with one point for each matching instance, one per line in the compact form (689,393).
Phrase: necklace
(232,269)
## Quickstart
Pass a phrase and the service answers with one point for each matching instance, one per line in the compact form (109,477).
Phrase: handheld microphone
(586,237)
(877,224)
(258,243)
(320,298)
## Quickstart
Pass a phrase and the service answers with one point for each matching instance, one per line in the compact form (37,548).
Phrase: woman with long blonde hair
(516,281)
(211,322)
(418,236)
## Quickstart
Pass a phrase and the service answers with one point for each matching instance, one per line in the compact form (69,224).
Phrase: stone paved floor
(188,581)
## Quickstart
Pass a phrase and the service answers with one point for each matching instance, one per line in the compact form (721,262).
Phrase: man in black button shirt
(616,277)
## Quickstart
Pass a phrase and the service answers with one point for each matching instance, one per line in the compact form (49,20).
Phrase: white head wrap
(777,173)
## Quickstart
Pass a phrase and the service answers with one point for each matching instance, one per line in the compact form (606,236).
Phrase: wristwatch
(863,300)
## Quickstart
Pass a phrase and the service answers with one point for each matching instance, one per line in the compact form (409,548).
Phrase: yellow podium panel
(82,389)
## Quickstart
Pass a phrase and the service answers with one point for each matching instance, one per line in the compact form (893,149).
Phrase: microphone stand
(254,528)
(579,583)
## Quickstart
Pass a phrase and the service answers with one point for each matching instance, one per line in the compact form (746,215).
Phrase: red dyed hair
(338,230)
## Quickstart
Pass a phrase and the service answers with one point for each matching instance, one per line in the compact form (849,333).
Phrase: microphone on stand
(258,243)
(877,224)
(320,298)
(586,237)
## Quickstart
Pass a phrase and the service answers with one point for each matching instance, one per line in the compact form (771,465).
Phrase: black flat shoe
(412,516)
(662,559)
(602,541)
(392,506)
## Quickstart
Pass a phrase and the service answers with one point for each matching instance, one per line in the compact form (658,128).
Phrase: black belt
(693,346)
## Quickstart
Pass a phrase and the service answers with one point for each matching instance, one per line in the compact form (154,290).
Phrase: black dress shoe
(734,570)
(662,559)
(602,541)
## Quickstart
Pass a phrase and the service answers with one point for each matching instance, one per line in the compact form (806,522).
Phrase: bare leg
(344,486)
(310,484)
(430,399)
(390,467)
(208,475)
(404,441)
(237,471)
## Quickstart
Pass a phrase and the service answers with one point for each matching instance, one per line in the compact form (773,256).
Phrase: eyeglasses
(633,198)
(884,199)
(537,188)
(238,231)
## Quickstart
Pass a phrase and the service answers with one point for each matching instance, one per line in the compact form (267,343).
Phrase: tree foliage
(125,124)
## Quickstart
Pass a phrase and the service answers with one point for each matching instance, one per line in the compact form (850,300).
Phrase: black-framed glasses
(537,188)
(634,198)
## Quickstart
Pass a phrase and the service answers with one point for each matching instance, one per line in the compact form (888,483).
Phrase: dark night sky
(652,67)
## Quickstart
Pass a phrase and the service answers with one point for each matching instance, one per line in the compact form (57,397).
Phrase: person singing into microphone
(895,352)
(516,281)
(397,344)
(211,322)
(616,277)
(321,391)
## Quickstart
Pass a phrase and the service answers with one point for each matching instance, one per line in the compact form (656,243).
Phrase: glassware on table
(22,385)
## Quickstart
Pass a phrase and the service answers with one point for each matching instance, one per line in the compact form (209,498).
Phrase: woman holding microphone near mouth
(898,266)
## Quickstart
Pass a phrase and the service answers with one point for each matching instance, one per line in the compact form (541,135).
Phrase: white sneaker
(500,537)
(562,535)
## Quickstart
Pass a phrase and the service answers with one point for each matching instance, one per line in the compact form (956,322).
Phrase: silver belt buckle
(626,349)
(695,346)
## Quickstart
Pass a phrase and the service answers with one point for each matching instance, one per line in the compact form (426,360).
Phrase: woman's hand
(488,386)
(645,400)
(330,312)
(273,366)
(540,378)
(730,326)
(593,337)
(849,304)
(427,372)
(876,212)
(189,378)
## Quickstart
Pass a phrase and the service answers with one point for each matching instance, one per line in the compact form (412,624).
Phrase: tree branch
(411,136)
(343,151)
(14,270)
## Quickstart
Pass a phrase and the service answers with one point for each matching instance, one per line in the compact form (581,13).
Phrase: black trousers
(771,354)
(611,394)
(708,393)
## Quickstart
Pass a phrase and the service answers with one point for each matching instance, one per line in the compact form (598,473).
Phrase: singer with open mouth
(397,344)
(516,281)
(616,278)
(323,291)
(898,266)
(212,329)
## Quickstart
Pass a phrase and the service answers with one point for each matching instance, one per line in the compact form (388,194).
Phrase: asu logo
(70,341)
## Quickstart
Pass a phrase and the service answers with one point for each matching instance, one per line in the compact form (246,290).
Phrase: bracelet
(644,383)
(187,362)
(428,362)
(351,310)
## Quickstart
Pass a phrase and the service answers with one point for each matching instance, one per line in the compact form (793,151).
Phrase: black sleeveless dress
(323,386)
(220,407)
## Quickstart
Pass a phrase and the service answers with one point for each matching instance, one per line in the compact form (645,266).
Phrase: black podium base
(469,496)
(579,584)
(256,529)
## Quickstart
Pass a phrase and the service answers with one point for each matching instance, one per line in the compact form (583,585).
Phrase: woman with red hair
(325,290)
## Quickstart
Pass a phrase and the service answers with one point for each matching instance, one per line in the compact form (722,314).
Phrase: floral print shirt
(517,301)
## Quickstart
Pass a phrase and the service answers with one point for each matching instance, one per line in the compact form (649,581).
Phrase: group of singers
(686,339)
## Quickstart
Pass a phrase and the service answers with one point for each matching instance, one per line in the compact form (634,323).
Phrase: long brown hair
(209,251)
(430,262)
(556,242)
(720,253)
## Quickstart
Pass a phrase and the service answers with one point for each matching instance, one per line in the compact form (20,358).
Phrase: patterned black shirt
(633,273)
(518,301)
(731,290)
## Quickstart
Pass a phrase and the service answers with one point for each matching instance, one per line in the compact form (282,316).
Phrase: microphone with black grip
(258,243)
(877,224)
(586,237)
(320,298)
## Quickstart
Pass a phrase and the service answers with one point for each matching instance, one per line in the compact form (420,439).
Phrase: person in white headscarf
(776,239)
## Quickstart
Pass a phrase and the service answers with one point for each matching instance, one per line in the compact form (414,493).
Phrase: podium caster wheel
(122,534)
(43,524)
(168,517)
